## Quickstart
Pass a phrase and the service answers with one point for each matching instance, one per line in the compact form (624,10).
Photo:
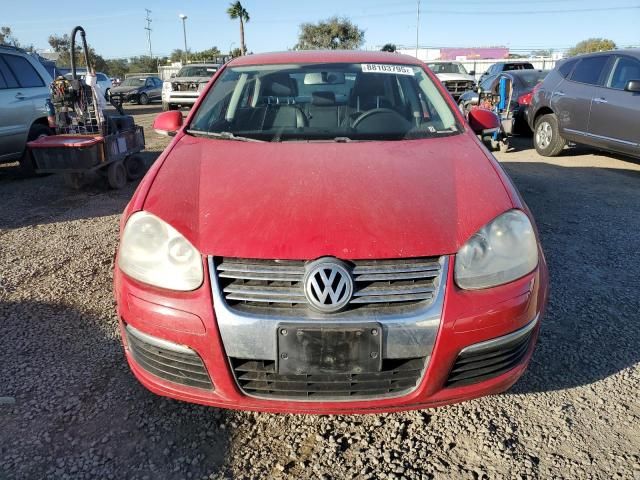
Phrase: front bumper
(180,98)
(469,320)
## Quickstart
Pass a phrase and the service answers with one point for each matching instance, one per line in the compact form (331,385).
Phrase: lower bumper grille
(260,379)
(492,358)
(171,362)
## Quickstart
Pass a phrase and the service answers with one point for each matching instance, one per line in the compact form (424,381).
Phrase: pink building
(480,53)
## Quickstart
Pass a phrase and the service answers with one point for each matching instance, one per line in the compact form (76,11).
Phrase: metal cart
(88,138)
(499,102)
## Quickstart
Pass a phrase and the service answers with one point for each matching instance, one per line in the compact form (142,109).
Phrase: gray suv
(591,99)
(24,88)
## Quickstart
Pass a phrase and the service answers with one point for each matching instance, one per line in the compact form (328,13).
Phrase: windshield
(197,71)
(447,68)
(335,101)
(133,82)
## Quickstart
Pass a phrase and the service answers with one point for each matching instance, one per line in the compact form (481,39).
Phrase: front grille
(278,284)
(260,379)
(458,87)
(478,364)
(175,363)
(185,86)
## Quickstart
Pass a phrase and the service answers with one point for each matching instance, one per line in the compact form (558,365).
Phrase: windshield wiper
(223,136)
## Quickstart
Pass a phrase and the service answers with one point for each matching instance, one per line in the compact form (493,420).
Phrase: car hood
(353,200)
(125,89)
(190,79)
(443,77)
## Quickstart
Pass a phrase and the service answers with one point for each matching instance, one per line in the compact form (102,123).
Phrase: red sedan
(325,234)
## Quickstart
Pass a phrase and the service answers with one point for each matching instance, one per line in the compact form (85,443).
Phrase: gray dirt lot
(79,413)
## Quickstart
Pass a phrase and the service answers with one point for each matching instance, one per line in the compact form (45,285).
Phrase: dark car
(591,99)
(523,81)
(140,90)
(500,67)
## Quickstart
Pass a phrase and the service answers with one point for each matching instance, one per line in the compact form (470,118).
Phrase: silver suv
(184,88)
(591,99)
(24,88)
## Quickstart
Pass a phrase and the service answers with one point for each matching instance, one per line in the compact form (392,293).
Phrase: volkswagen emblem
(328,285)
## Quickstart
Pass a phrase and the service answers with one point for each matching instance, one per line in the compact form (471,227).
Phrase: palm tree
(236,10)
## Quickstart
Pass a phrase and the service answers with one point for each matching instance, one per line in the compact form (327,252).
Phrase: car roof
(201,65)
(523,73)
(634,52)
(324,56)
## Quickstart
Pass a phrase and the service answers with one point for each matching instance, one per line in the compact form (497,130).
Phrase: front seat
(278,95)
(369,93)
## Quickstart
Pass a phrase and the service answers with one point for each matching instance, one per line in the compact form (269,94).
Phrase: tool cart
(89,136)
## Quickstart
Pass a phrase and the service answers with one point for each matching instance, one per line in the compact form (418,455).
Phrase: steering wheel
(374,112)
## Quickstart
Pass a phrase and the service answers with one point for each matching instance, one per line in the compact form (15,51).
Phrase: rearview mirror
(168,123)
(633,86)
(483,121)
(324,78)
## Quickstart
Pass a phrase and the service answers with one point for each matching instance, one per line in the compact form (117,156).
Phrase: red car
(325,234)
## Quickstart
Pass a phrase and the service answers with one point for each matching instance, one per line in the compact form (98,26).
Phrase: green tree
(592,45)
(7,38)
(237,11)
(332,34)
(205,55)
(236,52)
(62,45)
(389,47)
(177,55)
(117,67)
(144,64)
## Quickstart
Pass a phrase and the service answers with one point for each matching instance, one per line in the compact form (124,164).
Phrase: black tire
(546,136)
(117,175)
(27,164)
(143,99)
(134,165)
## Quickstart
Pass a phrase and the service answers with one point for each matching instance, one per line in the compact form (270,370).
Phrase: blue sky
(116,27)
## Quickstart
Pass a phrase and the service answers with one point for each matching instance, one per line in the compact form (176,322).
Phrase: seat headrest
(323,99)
(279,85)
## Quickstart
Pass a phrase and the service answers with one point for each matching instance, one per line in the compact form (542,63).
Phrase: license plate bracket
(329,349)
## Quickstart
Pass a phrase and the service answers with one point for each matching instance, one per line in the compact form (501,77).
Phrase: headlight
(153,252)
(166,86)
(502,251)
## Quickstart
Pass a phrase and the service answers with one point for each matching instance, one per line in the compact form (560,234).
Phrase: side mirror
(632,86)
(173,75)
(483,121)
(472,72)
(168,123)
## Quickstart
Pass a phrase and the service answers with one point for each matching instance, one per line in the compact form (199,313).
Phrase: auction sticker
(392,69)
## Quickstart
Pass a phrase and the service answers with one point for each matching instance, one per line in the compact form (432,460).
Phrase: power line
(148,29)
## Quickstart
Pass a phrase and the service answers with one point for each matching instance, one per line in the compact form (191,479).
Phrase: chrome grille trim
(409,328)
(279,284)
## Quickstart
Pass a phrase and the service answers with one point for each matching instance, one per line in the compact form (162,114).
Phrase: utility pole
(183,17)
(148,29)
(417,28)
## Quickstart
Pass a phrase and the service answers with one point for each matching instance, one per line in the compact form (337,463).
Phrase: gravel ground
(69,408)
